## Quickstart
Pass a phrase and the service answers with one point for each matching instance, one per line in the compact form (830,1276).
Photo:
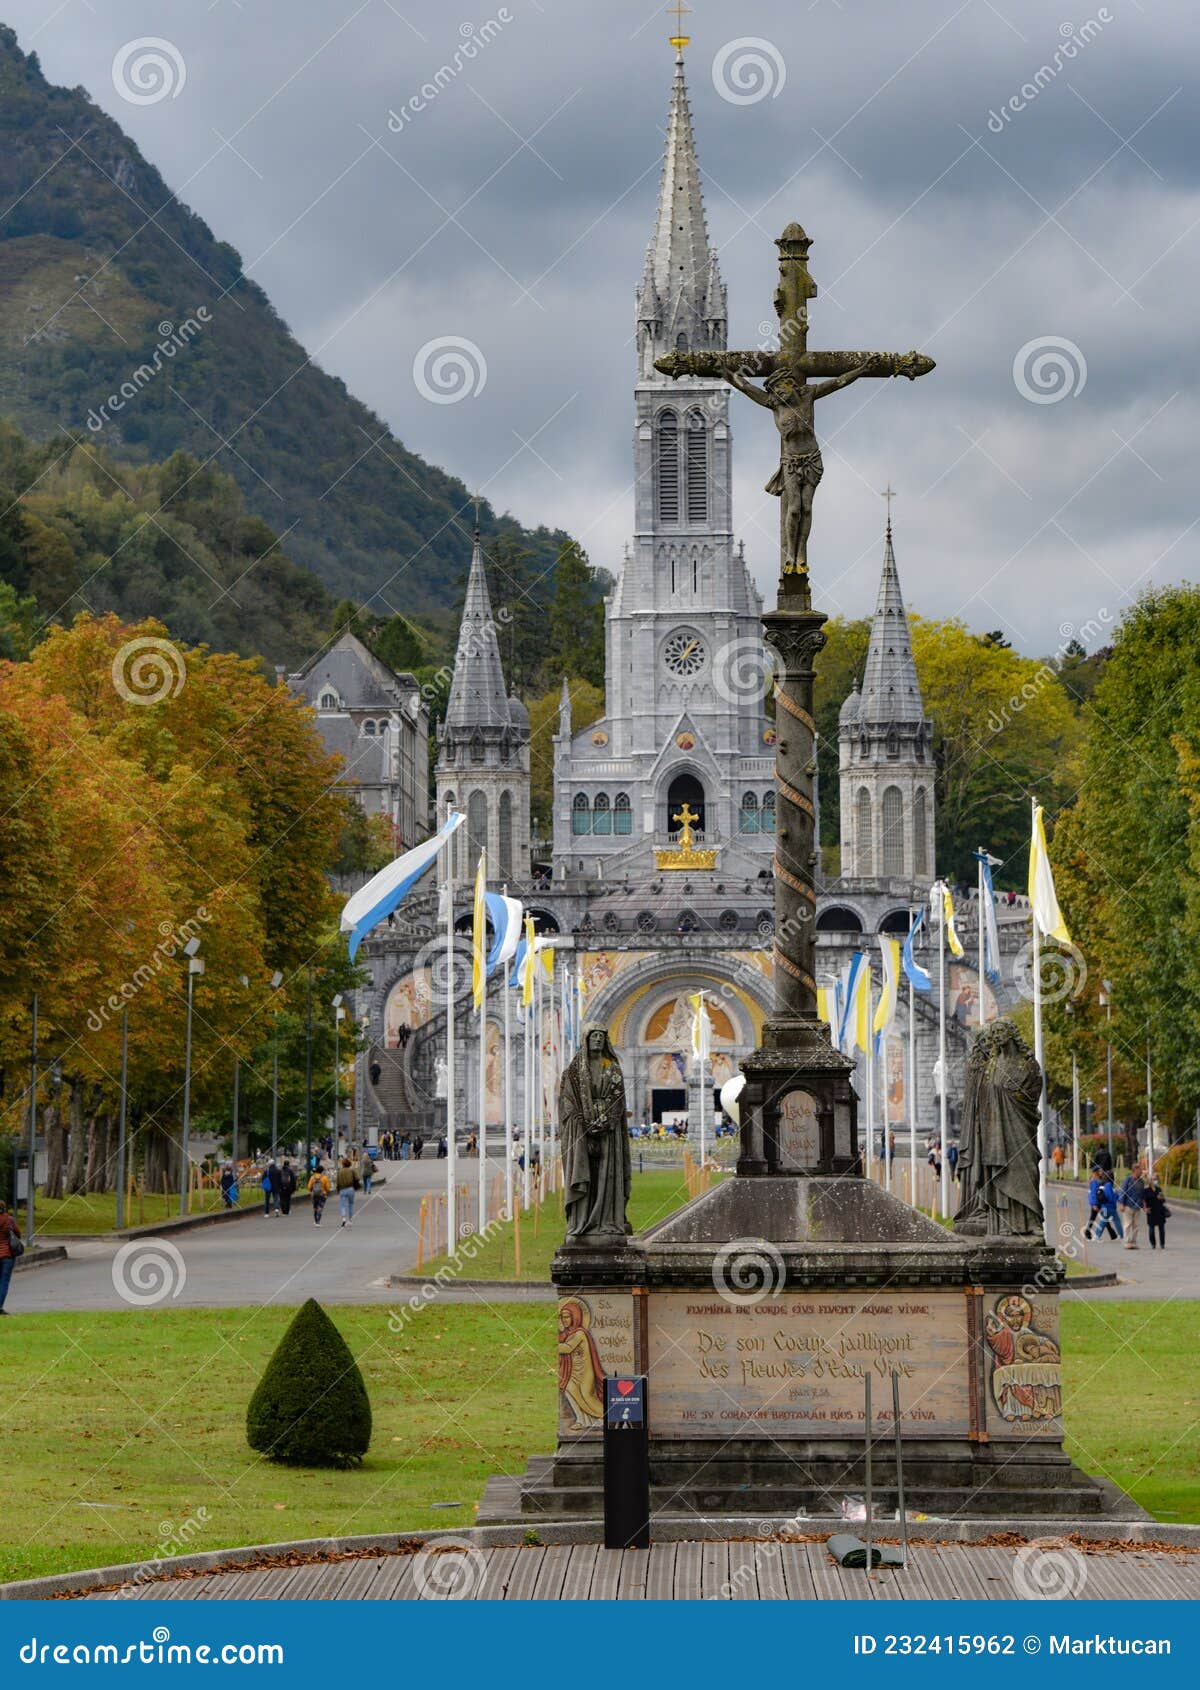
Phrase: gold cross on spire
(889,493)
(679,40)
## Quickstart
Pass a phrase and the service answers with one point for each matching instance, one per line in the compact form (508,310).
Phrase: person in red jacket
(10,1239)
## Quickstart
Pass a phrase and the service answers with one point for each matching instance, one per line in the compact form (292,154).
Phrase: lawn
(653,1196)
(123,1430)
(98,1213)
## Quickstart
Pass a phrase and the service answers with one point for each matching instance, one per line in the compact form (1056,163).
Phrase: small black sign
(625,1403)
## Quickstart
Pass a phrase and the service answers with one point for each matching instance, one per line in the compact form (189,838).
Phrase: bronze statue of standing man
(594,1135)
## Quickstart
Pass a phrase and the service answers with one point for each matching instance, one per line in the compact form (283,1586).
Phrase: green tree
(311,1407)
(576,618)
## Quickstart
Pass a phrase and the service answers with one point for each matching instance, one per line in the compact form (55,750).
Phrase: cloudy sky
(1011,187)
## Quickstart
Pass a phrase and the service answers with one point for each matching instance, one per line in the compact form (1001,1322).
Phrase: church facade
(664,809)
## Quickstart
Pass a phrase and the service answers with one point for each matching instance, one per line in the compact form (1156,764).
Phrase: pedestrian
(1110,1219)
(1157,1214)
(347,1185)
(1103,1160)
(368,1174)
(10,1248)
(1058,1157)
(1094,1185)
(228,1185)
(405,1146)
(318,1187)
(270,1186)
(287,1185)
(418,1147)
(1132,1198)
(952,1158)
(442,1149)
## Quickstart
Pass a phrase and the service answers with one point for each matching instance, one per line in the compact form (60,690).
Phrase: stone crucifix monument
(760,1309)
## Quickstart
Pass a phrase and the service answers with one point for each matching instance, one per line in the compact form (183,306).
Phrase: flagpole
(1038,1050)
(870,1078)
(944,1181)
(883,1109)
(912,1083)
(1074,1115)
(982,939)
(482,1217)
(451,1134)
(505,992)
(527,1011)
(703,1088)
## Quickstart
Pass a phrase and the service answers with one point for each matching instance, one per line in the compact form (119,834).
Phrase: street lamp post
(33,1071)
(338,1012)
(1106,1005)
(195,968)
(308,1076)
(276,982)
(121,1117)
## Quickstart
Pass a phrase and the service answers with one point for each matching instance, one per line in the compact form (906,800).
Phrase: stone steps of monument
(775,1501)
(766,1475)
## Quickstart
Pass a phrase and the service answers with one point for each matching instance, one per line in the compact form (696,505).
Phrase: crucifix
(685,818)
(796,1058)
(679,40)
(790,394)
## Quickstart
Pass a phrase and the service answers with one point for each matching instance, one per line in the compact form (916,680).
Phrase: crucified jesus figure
(790,399)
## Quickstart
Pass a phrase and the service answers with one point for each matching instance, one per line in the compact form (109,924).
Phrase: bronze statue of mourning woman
(594,1137)
(998,1150)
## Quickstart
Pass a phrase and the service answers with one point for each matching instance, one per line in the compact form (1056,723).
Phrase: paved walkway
(767,1571)
(284,1261)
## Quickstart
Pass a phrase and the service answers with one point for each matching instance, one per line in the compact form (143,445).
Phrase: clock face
(684,653)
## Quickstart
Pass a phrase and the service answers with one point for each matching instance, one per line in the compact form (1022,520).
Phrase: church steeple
(477,694)
(891,692)
(681,298)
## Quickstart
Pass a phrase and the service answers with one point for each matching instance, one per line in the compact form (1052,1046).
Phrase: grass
(98,1213)
(653,1196)
(121,1428)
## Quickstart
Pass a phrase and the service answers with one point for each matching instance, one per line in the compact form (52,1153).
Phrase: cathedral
(660,881)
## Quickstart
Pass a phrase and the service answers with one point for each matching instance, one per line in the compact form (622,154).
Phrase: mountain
(111,287)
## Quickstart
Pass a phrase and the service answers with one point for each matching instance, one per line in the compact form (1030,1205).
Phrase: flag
(860,1005)
(701,1028)
(505,914)
(886,1009)
(990,942)
(921,979)
(827,1006)
(386,890)
(941,890)
(479,933)
(1041,884)
(526,964)
(848,983)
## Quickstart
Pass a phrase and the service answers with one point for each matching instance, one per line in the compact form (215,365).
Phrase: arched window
(920,836)
(369,729)
(601,814)
(668,466)
(581,814)
(477,827)
(456,842)
(622,813)
(767,819)
(893,743)
(329,701)
(477,747)
(697,468)
(748,814)
(505,829)
(681,343)
(891,841)
(685,789)
(864,853)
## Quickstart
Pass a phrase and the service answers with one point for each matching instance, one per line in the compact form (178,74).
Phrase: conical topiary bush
(311,1407)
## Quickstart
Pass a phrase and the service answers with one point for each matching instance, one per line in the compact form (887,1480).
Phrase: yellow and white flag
(886,1009)
(942,891)
(1041,884)
(701,1028)
(860,1005)
(479,934)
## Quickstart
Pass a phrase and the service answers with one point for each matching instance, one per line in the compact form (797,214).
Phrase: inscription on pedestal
(799,1132)
(793,1365)
(595,1337)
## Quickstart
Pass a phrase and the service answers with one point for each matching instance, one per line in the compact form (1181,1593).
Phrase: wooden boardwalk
(704,1571)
